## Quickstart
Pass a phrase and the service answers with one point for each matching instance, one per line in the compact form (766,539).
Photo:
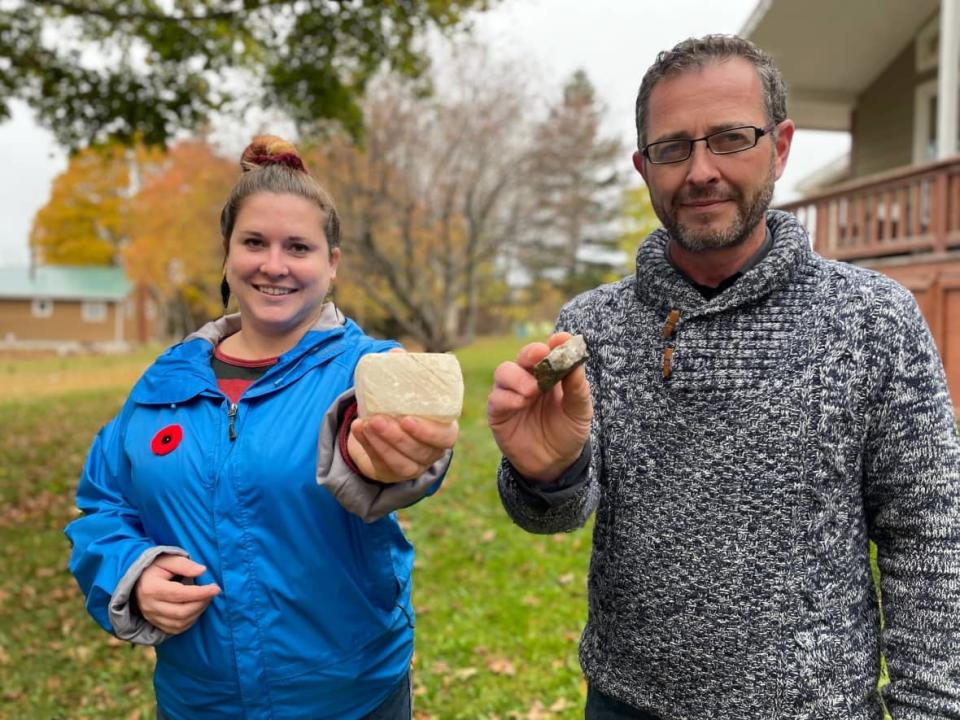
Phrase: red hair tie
(291,160)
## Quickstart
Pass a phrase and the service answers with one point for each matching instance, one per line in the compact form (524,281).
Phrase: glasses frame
(758,133)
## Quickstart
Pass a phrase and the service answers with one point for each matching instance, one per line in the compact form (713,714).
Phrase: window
(41,307)
(93,311)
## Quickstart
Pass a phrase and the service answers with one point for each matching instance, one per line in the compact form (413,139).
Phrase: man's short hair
(695,53)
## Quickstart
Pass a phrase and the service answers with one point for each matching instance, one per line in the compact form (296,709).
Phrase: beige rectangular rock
(427,385)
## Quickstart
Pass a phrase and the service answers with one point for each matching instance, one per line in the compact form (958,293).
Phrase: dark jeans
(604,707)
(397,706)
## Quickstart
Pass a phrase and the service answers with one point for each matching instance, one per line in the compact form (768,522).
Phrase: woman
(235,514)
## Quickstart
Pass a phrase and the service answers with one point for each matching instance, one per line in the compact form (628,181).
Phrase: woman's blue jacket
(314,618)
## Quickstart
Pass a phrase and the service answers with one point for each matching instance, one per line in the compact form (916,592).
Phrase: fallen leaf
(488,536)
(465,673)
(501,666)
(566,579)
(560,704)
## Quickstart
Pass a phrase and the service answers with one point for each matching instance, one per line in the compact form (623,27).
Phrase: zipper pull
(232,414)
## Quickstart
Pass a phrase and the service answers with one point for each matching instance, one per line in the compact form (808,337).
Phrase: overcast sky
(613,40)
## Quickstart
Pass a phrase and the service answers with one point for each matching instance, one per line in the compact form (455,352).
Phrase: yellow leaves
(87,220)
(176,246)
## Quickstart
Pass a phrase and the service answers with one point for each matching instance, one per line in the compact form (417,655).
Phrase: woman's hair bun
(266,150)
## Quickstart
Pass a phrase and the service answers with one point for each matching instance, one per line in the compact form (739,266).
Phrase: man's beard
(750,211)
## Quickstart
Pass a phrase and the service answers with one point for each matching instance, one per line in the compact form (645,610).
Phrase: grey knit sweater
(804,412)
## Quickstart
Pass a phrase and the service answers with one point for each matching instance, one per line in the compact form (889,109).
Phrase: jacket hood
(658,281)
(184,370)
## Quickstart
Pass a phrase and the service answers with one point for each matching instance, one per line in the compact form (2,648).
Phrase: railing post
(822,235)
(938,212)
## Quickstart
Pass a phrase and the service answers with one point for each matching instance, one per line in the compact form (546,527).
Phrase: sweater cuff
(125,618)
(560,490)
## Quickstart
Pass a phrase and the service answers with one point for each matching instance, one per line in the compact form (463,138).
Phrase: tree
(574,187)
(176,248)
(87,219)
(94,70)
(639,220)
(428,201)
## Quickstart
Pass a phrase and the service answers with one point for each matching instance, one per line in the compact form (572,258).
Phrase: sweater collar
(658,282)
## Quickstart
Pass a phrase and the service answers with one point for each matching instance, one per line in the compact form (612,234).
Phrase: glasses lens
(735,140)
(669,151)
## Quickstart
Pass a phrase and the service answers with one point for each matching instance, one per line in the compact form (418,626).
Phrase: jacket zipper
(232,415)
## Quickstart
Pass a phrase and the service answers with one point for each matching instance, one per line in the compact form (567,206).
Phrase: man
(750,416)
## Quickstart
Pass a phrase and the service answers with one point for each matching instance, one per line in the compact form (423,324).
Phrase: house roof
(829,52)
(64,283)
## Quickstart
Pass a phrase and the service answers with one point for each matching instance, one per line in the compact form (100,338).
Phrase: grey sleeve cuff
(561,490)
(368,499)
(128,624)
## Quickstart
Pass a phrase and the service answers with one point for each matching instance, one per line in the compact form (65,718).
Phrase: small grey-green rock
(427,385)
(561,361)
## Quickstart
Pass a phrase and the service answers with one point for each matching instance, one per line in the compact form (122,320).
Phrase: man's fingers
(512,377)
(558,338)
(531,354)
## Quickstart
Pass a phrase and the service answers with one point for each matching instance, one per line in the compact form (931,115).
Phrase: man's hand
(541,434)
(167,603)
(392,450)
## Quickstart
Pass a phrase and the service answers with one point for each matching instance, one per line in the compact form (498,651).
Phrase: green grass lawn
(499,611)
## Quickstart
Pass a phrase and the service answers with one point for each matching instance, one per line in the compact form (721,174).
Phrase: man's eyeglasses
(724,142)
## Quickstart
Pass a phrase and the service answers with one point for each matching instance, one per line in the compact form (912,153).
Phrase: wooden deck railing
(908,210)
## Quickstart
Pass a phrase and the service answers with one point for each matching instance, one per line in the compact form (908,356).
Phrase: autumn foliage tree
(176,247)
(87,219)
(427,202)
(639,220)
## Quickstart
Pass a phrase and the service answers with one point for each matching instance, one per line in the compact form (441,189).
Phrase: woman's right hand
(166,602)
(541,434)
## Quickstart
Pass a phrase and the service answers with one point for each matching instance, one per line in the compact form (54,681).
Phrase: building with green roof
(68,308)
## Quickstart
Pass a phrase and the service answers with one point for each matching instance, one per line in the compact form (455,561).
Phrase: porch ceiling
(830,51)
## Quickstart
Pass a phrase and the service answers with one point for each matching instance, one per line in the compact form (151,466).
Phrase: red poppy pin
(166,440)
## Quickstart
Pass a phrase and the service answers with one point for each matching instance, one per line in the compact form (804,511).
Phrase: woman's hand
(391,450)
(165,601)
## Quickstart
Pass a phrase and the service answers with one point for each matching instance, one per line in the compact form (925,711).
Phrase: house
(66,308)
(887,72)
